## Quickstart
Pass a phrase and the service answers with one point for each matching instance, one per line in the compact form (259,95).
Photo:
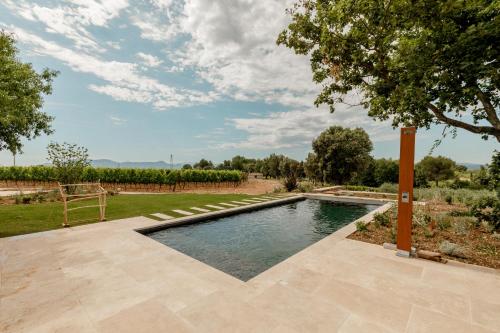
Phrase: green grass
(24,219)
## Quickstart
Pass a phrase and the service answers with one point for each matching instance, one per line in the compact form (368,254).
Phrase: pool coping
(218,214)
(185,220)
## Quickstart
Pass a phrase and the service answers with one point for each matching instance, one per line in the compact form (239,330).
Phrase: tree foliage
(436,168)
(69,161)
(340,154)
(21,98)
(203,164)
(417,62)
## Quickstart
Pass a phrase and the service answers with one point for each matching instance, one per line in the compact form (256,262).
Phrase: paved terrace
(106,277)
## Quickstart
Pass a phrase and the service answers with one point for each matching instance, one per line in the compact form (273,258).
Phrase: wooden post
(405,192)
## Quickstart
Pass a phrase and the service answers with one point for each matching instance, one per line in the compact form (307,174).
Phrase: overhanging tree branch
(488,130)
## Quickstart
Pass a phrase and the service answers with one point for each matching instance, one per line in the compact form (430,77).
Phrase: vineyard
(127,179)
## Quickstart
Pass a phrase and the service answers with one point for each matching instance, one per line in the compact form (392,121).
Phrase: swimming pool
(246,244)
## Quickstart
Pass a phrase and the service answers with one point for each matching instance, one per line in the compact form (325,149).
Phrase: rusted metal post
(405,196)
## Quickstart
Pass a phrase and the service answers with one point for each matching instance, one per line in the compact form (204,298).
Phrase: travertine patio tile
(183,212)
(150,316)
(240,203)
(306,313)
(425,321)
(222,312)
(374,305)
(163,216)
(106,277)
(215,207)
(355,324)
(203,210)
(485,313)
(226,204)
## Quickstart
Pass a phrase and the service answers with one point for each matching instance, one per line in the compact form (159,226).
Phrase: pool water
(246,244)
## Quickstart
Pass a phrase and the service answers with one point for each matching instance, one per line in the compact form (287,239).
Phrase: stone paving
(162,216)
(215,207)
(106,277)
(183,212)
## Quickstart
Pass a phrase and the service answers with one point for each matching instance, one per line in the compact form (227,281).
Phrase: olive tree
(21,98)
(417,62)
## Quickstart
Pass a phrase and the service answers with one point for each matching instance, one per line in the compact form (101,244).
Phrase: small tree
(69,160)
(187,166)
(21,98)
(437,168)
(203,164)
(342,153)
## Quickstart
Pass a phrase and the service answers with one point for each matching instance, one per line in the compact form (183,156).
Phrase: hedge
(125,176)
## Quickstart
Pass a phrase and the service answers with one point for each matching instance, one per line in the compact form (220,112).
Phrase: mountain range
(105,163)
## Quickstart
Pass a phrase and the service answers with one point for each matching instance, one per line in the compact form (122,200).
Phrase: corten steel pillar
(405,196)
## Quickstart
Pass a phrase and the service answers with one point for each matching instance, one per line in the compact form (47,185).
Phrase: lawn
(24,219)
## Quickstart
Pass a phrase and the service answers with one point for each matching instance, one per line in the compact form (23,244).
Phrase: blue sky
(144,79)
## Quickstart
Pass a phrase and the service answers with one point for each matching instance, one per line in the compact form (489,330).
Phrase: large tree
(342,153)
(436,168)
(417,62)
(21,97)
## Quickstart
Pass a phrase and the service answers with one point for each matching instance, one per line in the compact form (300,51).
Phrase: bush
(421,218)
(290,183)
(443,221)
(381,219)
(487,209)
(448,199)
(462,225)
(452,249)
(388,188)
(305,186)
(361,226)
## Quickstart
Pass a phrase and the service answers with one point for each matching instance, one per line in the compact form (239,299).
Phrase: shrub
(452,249)
(26,200)
(361,226)
(388,188)
(448,199)
(462,225)
(443,221)
(487,209)
(421,218)
(305,186)
(381,219)
(290,183)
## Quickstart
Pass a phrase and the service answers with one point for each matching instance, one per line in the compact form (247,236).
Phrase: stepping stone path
(162,216)
(258,199)
(227,204)
(251,201)
(203,210)
(241,203)
(214,206)
(182,212)
(268,198)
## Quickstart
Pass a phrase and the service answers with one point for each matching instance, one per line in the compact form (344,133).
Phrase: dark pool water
(247,244)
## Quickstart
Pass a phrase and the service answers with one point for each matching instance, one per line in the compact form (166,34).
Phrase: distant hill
(471,166)
(105,163)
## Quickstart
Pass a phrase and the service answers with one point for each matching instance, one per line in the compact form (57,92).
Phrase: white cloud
(297,128)
(124,80)
(72,18)
(117,121)
(149,60)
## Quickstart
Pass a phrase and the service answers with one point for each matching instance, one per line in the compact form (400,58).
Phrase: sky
(143,79)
